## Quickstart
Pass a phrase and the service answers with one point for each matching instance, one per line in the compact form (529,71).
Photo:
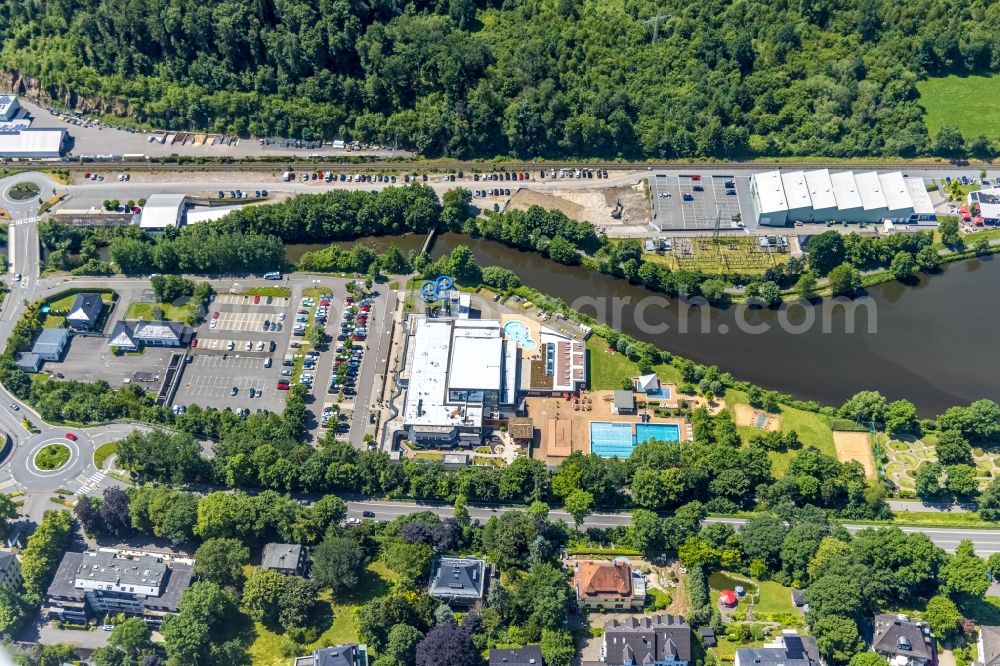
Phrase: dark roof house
(989,646)
(655,640)
(798,598)
(85,311)
(623,402)
(288,558)
(708,638)
(896,636)
(135,334)
(458,580)
(336,655)
(529,655)
(789,649)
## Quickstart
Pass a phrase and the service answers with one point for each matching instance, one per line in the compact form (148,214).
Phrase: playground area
(745,415)
(904,456)
(728,254)
(855,446)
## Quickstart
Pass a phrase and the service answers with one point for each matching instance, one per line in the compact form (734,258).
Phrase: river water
(930,342)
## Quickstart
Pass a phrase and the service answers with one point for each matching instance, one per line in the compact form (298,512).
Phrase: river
(929,342)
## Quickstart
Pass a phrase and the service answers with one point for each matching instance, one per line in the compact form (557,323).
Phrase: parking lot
(692,202)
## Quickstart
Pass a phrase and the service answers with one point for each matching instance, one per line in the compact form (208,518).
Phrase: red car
(71,437)
(256,300)
(194,342)
(215,315)
(282,386)
(325,302)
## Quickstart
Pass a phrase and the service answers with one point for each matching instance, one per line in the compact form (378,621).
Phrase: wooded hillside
(602,78)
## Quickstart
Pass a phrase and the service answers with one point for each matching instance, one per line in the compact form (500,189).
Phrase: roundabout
(52,457)
(23,190)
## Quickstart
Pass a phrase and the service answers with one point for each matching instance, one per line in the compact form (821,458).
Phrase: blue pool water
(659,393)
(611,440)
(519,332)
(665,432)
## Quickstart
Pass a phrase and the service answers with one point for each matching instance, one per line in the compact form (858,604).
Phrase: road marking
(90,483)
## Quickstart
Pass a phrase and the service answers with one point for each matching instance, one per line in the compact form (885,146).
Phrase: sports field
(970,103)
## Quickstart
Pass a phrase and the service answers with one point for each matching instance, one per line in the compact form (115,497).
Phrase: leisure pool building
(781,198)
(462,376)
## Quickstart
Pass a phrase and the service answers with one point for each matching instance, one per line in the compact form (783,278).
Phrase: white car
(230,346)
(260,346)
(248,346)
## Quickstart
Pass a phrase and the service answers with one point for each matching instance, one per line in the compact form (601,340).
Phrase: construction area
(620,211)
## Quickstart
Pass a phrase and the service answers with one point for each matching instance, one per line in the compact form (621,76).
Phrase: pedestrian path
(90,482)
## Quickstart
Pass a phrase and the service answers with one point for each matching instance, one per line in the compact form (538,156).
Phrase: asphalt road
(80,474)
(985,541)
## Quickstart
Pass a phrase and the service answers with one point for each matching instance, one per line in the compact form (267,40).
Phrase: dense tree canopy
(476,77)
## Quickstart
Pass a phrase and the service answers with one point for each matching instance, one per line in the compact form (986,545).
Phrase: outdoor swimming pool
(664,432)
(611,440)
(616,440)
(519,332)
(659,393)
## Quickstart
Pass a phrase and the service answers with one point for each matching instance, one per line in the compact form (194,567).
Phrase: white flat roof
(208,214)
(30,142)
(162,211)
(770,192)
(897,195)
(820,189)
(475,360)
(870,189)
(919,196)
(796,190)
(845,190)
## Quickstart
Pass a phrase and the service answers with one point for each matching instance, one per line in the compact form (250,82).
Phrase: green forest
(552,78)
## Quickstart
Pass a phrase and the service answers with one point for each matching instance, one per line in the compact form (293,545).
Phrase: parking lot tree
(316,335)
(844,280)
(44,551)
(221,561)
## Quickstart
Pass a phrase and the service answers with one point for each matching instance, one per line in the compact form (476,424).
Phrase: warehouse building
(33,143)
(818,196)
(162,211)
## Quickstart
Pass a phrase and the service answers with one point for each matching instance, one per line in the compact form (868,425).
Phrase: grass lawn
(102,453)
(144,311)
(64,303)
(608,370)
(268,649)
(811,428)
(970,103)
(52,456)
(277,292)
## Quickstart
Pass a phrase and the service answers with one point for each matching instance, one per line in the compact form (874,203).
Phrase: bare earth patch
(746,415)
(593,205)
(855,446)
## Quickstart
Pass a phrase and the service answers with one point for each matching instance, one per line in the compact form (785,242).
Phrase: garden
(52,457)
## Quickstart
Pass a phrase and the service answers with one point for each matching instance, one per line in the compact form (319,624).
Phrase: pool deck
(534,329)
(546,410)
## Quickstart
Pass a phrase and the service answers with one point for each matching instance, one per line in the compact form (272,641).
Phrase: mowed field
(970,103)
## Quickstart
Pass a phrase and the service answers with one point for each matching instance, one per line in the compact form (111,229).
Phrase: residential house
(904,642)
(10,571)
(708,638)
(988,645)
(529,655)
(336,655)
(131,335)
(28,362)
(610,585)
(788,649)
(798,598)
(51,343)
(85,312)
(458,581)
(287,558)
(657,640)
(104,582)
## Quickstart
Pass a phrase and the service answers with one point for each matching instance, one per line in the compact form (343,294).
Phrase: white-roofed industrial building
(821,196)
(767,194)
(208,214)
(797,195)
(33,143)
(162,211)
